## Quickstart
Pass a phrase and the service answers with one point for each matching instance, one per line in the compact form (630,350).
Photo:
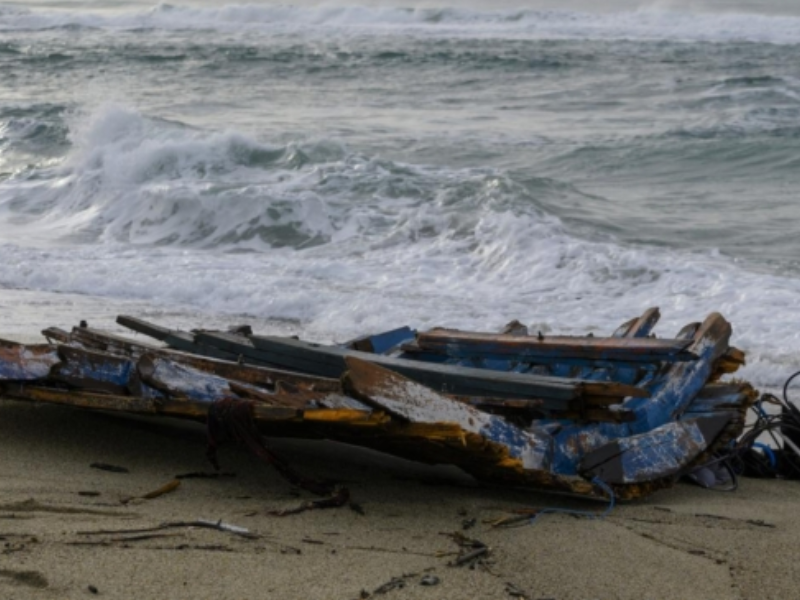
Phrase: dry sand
(682,543)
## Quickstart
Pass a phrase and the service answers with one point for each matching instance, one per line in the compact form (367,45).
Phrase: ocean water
(335,168)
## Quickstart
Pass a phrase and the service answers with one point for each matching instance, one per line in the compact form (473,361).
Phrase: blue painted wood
(26,363)
(640,327)
(673,393)
(575,368)
(661,452)
(382,343)
(684,415)
(645,324)
(428,357)
(176,379)
(587,350)
(95,371)
(573,441)
(496,365)
(556,365)
(329,361)
(262,376)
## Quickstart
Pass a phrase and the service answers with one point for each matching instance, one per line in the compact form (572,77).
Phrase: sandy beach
(681,543)
(334,170)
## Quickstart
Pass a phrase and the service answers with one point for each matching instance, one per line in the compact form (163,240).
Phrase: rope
(231,419)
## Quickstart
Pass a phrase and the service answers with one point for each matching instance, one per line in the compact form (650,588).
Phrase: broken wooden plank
(382,343)
(556,365)
(173,407)
(672,393)
(430,443)
(417,403)
(186,342)
(530,409)
(80,399)
(21,362)
(639,327)
(286,353)
(182,340)
(255,375)
(451,379)
(57,334)
(148,329)
(460,344)
(252,374)
(108,342)
(94,371)
(722,397)
(661,452)
(175,379)
(328,361)
(728,363)
(301,398)
(592,369)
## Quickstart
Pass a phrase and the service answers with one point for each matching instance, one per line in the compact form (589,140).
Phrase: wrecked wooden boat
(580,415)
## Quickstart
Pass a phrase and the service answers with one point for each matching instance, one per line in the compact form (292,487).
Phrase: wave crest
(132,179)
(643,24)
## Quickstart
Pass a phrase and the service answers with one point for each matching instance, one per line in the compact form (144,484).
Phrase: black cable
(741,458)
(787,421)
(786,388)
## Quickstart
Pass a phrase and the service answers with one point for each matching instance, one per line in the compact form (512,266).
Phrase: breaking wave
(310,231)
(132,179)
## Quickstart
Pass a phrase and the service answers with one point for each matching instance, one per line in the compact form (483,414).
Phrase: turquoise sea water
(348,167)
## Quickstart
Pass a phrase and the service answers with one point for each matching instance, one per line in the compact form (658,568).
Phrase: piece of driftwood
(200,523)
(382,343)
(164,489)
